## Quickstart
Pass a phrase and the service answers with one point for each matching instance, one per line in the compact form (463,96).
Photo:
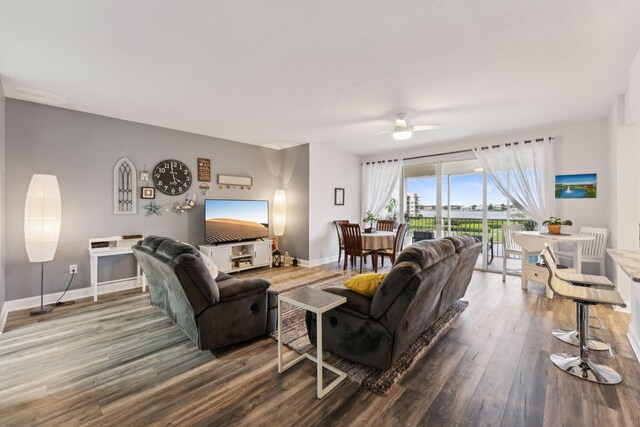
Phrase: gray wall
(295,181)
(2,213)
(82,149)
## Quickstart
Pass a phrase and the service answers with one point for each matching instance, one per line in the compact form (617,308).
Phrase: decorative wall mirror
(124,188)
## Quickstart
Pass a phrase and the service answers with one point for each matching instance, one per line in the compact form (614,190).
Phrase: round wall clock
(172,177)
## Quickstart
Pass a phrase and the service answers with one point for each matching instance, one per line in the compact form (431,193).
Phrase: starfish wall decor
(153,208)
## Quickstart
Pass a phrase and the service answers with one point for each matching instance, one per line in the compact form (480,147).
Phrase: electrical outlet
(73,268)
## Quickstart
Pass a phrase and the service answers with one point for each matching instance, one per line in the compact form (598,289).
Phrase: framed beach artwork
(582,186)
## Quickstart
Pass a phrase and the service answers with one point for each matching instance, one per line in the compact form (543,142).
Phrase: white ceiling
(279,73)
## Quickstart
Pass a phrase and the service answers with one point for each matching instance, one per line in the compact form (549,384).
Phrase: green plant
(529,225)
(554,220)
(391,206)
(370,218)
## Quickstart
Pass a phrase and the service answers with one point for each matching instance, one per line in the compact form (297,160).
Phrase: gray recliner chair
(213,313)
(426,279)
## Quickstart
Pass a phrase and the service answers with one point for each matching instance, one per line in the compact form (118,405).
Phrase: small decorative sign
(204,170)
(246,181)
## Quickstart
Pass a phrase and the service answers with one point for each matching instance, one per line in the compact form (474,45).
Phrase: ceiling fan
(403,132)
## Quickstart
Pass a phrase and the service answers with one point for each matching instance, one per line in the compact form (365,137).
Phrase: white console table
(96,253)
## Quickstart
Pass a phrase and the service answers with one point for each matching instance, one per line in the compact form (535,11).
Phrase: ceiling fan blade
(426,127)
(380,133)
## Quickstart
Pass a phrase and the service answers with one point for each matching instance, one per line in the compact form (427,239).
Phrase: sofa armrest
(355,302)
(234,288)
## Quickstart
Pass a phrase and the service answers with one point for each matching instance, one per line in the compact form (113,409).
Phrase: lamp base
(43,310)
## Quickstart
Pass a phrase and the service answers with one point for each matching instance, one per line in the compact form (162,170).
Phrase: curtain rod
(469,150)
(381,161)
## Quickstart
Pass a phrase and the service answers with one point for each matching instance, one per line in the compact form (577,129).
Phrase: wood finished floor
(126,365)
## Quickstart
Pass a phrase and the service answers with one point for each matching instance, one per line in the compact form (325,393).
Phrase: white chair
(509,246)
(592,250)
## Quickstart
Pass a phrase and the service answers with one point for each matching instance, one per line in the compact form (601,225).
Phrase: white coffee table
(317,302)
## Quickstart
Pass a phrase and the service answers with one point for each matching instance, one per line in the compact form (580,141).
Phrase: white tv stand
(232,257)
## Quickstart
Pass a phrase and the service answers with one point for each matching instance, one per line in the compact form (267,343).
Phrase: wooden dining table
(376,241)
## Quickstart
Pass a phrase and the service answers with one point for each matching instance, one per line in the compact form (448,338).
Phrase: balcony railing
(471,226)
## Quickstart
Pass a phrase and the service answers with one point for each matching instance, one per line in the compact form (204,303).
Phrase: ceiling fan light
(402,135)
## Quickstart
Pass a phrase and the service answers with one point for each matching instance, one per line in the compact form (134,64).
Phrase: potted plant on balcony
(554,224)
(391,209)
(369,222)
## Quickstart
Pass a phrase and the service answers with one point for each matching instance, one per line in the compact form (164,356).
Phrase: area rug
(296,338)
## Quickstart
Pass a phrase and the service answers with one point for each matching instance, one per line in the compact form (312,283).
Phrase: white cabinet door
(263,253)
(221,257)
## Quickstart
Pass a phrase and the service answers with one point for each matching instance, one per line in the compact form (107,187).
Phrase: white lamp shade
(42,218)
(279,212)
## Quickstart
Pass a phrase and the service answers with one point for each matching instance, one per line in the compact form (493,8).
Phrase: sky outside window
(466,190)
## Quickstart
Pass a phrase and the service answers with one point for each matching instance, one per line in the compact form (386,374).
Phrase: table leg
(279,324)
(144,282)
(523,270)
(577,256)
(375,261)
(93,261)
(319,354)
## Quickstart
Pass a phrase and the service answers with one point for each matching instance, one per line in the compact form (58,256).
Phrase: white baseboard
(31,302)
(626,309)
(635,344)
(321,261)
(303,262)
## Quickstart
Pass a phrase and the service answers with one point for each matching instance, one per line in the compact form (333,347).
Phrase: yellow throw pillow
(366,284)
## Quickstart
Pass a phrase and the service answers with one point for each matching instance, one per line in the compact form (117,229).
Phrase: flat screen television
(235,220)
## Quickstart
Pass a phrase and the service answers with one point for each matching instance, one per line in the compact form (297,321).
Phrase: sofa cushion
(194,276)
(461,241)
(409,263)
(234,288)
(365,284)
(152,242)
(171,249)
(357,303)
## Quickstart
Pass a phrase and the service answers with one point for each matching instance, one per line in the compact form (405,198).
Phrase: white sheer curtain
(379,179)
(522,172)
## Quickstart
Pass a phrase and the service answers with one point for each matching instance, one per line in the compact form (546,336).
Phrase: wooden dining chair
(398,242)
(337,223)
(386,225)
(353,245)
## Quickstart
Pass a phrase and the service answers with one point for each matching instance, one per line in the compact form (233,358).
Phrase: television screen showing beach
(581,186)
(236,220)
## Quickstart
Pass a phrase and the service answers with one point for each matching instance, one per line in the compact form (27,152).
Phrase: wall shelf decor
(244,181)
(124,188)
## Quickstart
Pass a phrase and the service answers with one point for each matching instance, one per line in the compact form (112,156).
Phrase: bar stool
(569,275)
(580,365)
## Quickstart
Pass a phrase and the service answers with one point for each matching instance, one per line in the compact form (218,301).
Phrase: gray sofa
(213,313)
(426,279)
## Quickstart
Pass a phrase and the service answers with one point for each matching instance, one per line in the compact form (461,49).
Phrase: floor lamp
(279,214)
(42,218)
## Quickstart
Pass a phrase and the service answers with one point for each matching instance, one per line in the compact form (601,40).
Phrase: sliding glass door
(448,198)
